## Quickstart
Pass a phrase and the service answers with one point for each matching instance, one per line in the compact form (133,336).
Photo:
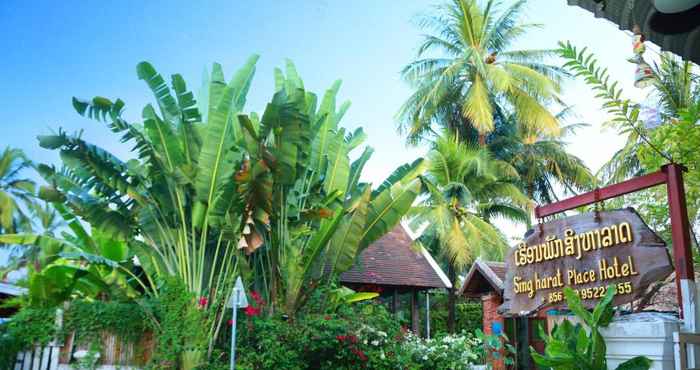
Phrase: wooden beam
(415,318)
(612,191)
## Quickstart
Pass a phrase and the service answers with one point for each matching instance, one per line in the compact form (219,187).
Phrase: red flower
(252,311)
(203,301)
(257,298)
(361,355)
(353,339)
(340,337)
(230,322)
(326,317)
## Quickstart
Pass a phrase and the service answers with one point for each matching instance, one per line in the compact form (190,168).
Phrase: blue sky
(52,51)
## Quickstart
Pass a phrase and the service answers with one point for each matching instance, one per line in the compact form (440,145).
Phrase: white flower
(375,343)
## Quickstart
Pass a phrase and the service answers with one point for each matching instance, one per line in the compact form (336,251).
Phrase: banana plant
(573,347)
(304,196)
(175,203)
(212,192)
(77,265)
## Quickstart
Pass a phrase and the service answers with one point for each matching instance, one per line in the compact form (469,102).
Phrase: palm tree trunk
(531,195)
(482,140)
(452,300)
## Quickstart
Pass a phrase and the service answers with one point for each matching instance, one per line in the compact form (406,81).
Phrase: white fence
(41,358)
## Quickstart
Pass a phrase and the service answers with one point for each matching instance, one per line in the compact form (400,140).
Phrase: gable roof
(628,13)
(484,277)
(393,260)
(11,290)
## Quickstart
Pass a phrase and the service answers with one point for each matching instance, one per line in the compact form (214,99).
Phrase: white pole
(427,314)
(233,329)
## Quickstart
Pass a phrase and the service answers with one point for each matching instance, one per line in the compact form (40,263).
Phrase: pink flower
(251,311)
(203,301)
(230,323)
(257,298)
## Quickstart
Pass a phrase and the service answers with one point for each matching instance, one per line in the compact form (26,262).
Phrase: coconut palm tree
(476,70)
(16,191)
(544,166)
(465,188)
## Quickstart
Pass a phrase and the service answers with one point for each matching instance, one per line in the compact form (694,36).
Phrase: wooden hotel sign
(588,254)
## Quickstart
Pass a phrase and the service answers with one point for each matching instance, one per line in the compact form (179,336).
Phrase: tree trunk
(452,300)
(482,140)
(415,317)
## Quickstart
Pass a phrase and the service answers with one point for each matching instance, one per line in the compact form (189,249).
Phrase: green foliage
(624,112)
(674,138)
(468,72)
(78,265)
(465,187)
(468,315)
(360,335)
(206,185)
(305,205)
(444,351)
(33,326)
(88,319)
(16,192)
(545,167)
(28,327)
(572,347)
(494,347)
(181,330)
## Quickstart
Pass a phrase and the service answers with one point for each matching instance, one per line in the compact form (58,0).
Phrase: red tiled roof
(394,261)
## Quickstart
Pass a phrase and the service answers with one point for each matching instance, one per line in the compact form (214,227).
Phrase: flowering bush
(356,336)
(458,351)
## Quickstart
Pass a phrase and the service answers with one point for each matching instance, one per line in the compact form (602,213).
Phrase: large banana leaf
(328,119)
(190,115)
(164,138)
(403,174)
(356,169)
(216,159)
(338,169)
(343,247)
(287,123)
(387,208)
(161,91)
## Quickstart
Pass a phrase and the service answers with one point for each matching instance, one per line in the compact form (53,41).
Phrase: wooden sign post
(670,175)
(588,253)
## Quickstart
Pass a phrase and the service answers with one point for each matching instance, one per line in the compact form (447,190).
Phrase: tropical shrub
(179,314)
(577,347)
(28,327)
(494,347)
(210,194)
(355,336)
(306,208)
(87,320)
(446,351)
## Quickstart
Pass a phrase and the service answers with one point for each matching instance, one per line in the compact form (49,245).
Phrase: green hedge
(468,314)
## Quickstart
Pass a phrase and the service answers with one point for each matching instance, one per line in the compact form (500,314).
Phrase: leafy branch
(625,112)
